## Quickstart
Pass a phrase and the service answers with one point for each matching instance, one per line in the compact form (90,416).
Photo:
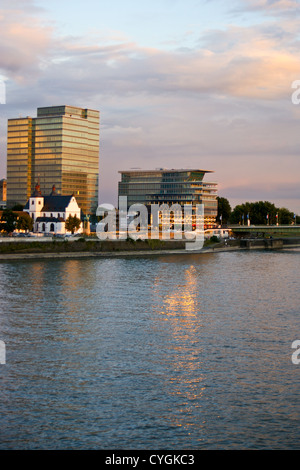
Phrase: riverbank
(103,249)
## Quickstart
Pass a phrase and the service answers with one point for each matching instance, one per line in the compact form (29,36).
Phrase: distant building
(49,213)
(163,186)
(61,144)
(3,186)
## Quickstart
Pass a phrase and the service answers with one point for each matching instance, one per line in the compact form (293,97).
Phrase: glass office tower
(19,160)
(164,186)
(59,147)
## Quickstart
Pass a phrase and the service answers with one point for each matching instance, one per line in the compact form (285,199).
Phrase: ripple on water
(174,351)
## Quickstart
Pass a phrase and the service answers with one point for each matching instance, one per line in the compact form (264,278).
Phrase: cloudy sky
(179,84)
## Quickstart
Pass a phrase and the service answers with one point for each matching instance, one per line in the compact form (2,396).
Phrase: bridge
(263,230)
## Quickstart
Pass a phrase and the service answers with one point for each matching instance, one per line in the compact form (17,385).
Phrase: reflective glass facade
(170,187)
(3,187)
(60,146)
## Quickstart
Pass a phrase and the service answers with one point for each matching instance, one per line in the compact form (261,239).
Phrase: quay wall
(96,248)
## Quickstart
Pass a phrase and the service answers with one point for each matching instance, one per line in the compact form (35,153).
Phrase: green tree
(285,217)
(8,220)
(263,212)
(224,210)
(259,213)
(17,208)
(72,223)
(239,213)
(24,222)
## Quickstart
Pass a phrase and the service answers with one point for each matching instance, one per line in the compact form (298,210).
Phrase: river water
(163,352)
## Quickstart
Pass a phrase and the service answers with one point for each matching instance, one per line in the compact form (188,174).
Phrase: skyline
(206,85)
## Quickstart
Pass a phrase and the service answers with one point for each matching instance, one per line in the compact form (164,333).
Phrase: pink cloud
(25,41)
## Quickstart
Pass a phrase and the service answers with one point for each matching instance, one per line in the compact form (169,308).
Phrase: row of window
(65,121)
(59,134)
(71,142)
(20,133)
(157,186)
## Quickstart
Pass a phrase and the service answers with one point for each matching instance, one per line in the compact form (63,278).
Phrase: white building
(49,213)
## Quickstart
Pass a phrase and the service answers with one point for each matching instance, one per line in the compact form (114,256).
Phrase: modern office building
(3,190)
(162,186)
(60,146)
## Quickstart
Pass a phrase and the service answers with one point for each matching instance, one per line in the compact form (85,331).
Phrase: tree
(239,213)
(9,219)
(263,213)
(285,216)
(259,213)
(24,222)
(224,210)
(72,223)
(17,207)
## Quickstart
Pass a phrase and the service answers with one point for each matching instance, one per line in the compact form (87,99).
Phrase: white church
(49,213)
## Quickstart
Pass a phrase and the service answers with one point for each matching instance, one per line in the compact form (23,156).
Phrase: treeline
(11,220)
(259,213)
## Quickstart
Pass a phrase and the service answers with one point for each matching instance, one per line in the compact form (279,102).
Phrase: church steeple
(37,191)
(53,192)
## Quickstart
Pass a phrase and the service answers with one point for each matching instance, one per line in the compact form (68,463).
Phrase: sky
(179,84)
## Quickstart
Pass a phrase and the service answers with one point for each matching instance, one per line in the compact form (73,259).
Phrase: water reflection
(179,310)
(179,352)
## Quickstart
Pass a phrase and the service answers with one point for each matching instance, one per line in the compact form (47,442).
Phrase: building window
(32,202)
(52,228)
